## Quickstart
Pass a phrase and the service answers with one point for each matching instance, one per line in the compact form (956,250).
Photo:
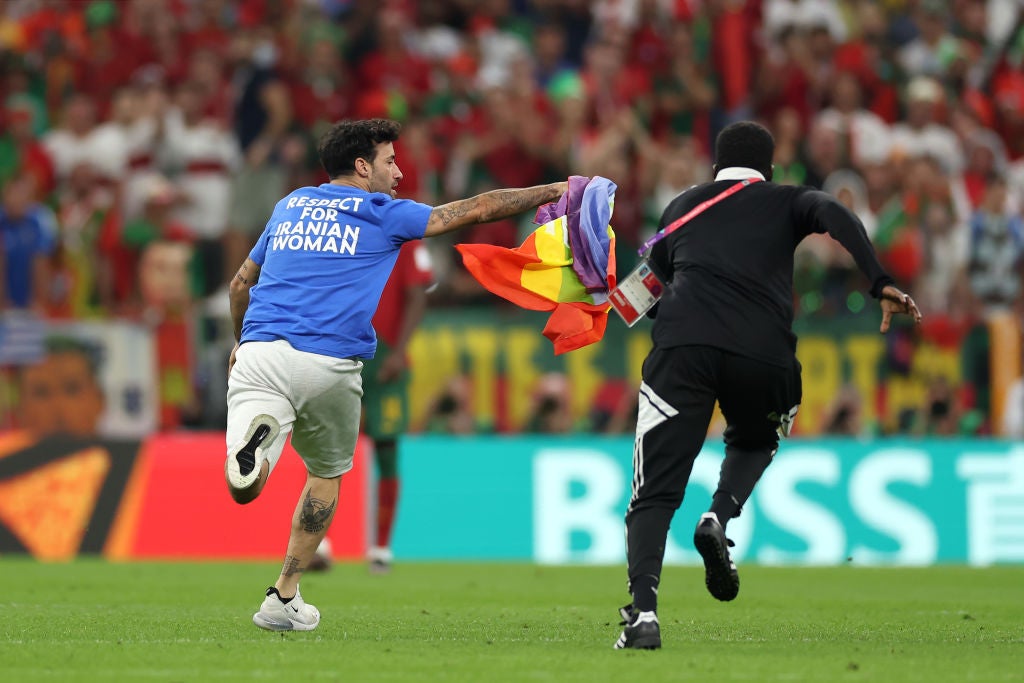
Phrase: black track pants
(677,398)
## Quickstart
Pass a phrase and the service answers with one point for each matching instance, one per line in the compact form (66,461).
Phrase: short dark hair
(347,141)
(747,144)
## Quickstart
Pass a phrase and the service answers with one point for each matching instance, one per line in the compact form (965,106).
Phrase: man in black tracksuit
(723,332)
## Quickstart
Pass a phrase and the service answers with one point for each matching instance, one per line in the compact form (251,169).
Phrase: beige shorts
(315,398)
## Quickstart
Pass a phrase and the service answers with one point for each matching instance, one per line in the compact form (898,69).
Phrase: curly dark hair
(347,141)
(746,144)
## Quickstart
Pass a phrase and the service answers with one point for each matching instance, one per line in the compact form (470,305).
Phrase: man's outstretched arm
(490,206)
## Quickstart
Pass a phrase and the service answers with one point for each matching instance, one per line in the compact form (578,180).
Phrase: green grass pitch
(95,621)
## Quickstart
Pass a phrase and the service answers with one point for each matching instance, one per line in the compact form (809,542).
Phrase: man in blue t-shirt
(28,235)
(301,306)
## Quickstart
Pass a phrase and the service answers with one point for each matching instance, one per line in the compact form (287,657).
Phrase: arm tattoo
(491,206)
(315,514)
(450,212)
(503,203)
(291,566)
(241,274)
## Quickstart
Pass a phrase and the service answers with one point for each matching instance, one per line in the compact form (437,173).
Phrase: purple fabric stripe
(588,212)
(590,257)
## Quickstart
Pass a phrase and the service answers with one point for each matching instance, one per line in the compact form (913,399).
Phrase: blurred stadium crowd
(144,142)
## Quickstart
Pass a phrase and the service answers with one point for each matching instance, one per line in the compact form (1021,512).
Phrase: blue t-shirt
(325,256)
(22,239)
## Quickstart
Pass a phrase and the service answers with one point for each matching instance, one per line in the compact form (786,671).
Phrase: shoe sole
(722,581)
(271,625)
(240,467)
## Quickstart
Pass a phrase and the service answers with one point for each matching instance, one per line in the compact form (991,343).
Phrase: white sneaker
(245,458)
(380,560)
(295,615)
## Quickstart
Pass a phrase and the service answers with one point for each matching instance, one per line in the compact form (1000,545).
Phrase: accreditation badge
(636,293)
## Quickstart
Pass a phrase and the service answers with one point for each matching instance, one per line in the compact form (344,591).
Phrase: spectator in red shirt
(611,83)
(392,67)
(323,91)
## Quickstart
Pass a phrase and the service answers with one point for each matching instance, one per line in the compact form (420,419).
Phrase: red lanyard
(693,213)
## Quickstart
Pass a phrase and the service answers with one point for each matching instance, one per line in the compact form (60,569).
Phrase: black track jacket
(731,267)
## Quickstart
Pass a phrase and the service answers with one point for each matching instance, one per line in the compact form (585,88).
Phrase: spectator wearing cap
(921,134)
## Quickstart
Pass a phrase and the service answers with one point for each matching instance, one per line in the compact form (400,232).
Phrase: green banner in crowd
(821,502)
(494,361)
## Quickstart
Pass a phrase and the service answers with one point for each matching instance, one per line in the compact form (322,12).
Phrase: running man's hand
(895,301)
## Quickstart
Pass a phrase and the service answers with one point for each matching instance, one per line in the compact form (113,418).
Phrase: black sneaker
(641,630)
(720,575)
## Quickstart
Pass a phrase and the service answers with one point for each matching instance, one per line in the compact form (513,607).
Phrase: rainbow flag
(566,266)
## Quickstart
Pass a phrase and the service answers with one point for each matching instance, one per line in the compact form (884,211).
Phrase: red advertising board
(162,498)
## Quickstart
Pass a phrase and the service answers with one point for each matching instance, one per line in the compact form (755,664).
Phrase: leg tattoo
(291,566)
(315,514)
